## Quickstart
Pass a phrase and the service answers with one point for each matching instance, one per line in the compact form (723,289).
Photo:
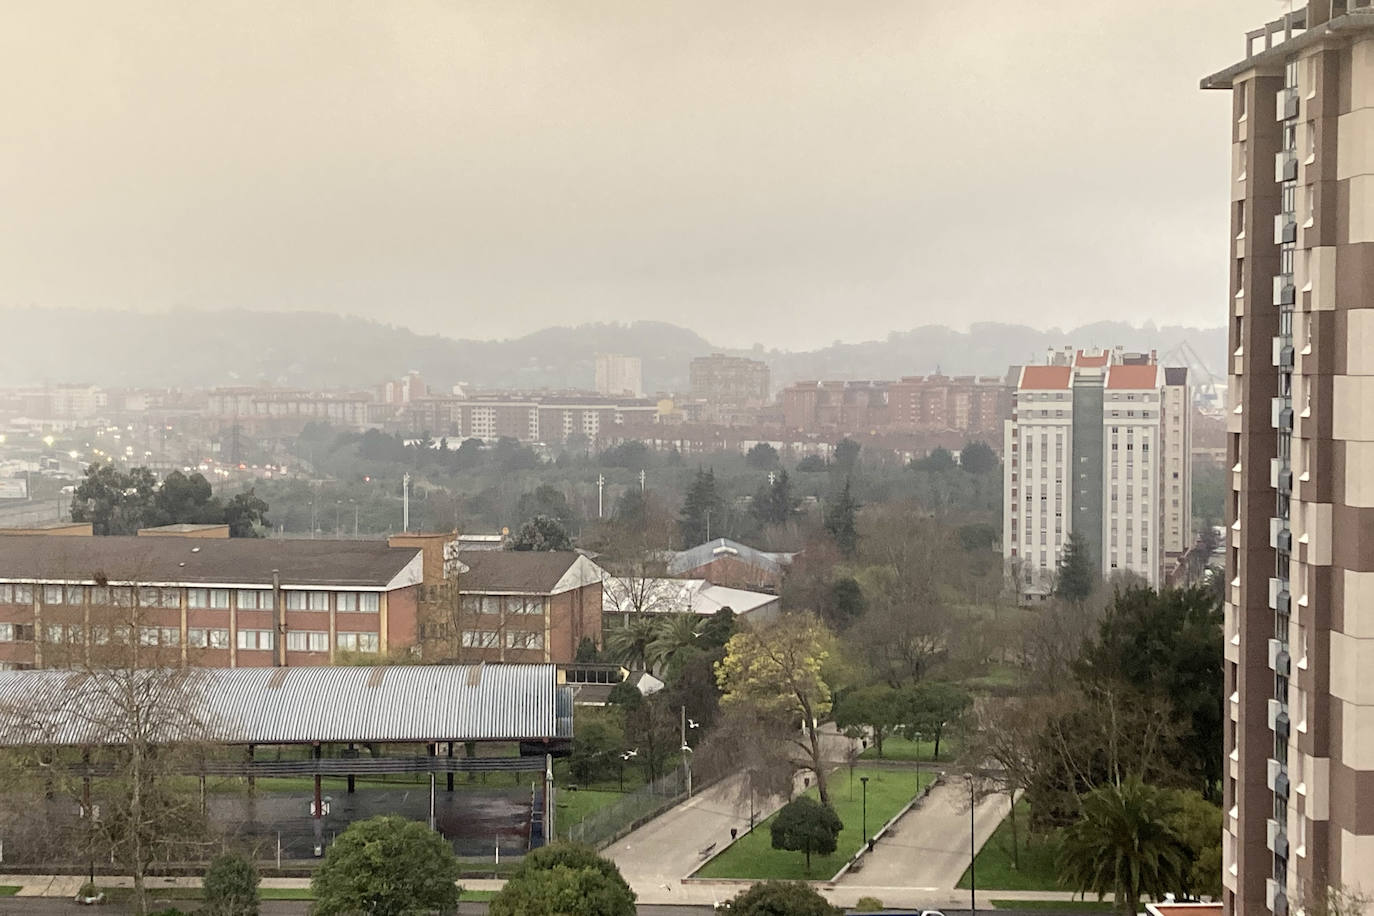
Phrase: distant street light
(864,780)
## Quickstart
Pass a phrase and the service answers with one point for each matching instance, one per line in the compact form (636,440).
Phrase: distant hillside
(316,349)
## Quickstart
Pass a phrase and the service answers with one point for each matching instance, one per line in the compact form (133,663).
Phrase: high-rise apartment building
(730,380)
(1093,447)
(1299,602)
(619,376)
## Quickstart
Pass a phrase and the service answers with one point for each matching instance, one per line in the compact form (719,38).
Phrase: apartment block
(1093,448)
(1299,601)
(619,376)
(730,380)
(528,417)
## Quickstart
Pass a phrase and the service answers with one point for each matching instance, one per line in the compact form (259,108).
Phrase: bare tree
(120,729)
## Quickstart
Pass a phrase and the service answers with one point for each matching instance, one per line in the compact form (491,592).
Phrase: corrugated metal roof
(403,703)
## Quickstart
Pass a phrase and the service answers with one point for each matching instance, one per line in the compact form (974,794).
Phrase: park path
(929,847)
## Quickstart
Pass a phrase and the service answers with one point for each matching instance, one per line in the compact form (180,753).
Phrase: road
(929,848)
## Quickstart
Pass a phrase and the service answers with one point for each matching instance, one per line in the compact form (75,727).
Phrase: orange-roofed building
(1097,444)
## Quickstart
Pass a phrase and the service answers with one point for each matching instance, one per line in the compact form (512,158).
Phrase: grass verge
(898,748)
(1034,867)
(8,890)
(753,856)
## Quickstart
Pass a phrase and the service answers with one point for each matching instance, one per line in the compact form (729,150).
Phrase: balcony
(1284,293)
(1281,413)
(1282,353)
(1285,166)
(1279,661)
(1286,104)
(1285,228)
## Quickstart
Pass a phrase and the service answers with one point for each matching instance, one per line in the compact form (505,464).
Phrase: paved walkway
(929,847)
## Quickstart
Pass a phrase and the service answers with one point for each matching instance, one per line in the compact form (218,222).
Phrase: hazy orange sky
(781,171)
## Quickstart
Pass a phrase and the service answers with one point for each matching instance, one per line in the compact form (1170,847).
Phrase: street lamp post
(864,780)
(972,852)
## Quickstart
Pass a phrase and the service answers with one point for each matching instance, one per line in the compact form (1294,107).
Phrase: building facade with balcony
(1299,599)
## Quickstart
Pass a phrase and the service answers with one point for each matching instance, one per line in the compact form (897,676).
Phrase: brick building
(730,380)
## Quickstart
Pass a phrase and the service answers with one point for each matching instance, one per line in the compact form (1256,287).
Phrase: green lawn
(121,894)
(8,890)
(573,806)
(897,748)
(286,893)
(753,855)
(1037,870)
(1059,906)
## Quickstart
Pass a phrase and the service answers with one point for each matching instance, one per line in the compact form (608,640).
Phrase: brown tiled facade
(1300,557)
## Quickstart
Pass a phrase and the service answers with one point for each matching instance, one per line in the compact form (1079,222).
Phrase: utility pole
(600,485)
(641,481)
(405,502)
(686,750)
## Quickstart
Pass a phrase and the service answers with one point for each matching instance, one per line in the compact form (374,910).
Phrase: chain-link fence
(613,821)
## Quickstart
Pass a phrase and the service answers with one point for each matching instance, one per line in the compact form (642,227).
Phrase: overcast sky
(780,171)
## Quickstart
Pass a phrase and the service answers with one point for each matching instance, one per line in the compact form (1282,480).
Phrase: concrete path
(929,847)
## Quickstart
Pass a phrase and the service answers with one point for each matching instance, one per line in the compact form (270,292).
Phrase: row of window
(196,637)
(196,598)
(491,639)
(495,604)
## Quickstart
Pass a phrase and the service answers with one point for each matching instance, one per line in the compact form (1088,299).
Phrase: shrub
(231,886)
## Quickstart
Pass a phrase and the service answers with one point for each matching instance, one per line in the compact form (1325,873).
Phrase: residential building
(619,376)
(539,417)
(1092,447)
(730,380)
(527,605)
(287,408)
(835,407)
(214,602)
(1299,636)
(730,563)
(399,392)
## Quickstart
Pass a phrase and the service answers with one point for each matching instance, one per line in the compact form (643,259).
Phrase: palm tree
(629,644)
(1124,844)
(675,632)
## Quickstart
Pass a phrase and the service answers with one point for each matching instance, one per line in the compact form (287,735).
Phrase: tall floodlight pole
(600,486)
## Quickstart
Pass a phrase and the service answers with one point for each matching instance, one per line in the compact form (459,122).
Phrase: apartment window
(481,639)
(256,639)
(52,633)
(159,636)
(525,605)
(524,640)
(255,599)
(358,642)
(346,601)
(219,599)
(52,594)
(74,594)
(23,594)
(197,598)
(6,594)
(197,638)
(307,641)
(369,602)
(307,601)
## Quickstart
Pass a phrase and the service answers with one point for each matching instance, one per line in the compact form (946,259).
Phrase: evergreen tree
(703,511)
(840,520)
(1077,572)
(774,502)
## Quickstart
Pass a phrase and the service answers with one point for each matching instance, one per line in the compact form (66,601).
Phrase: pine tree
(703,511)
(1077,572)
(839,520)
(774,503)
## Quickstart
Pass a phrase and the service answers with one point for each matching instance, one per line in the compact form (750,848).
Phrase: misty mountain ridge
(202,349)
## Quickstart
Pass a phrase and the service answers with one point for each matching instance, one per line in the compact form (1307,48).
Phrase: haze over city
(775,172)
(724,458)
